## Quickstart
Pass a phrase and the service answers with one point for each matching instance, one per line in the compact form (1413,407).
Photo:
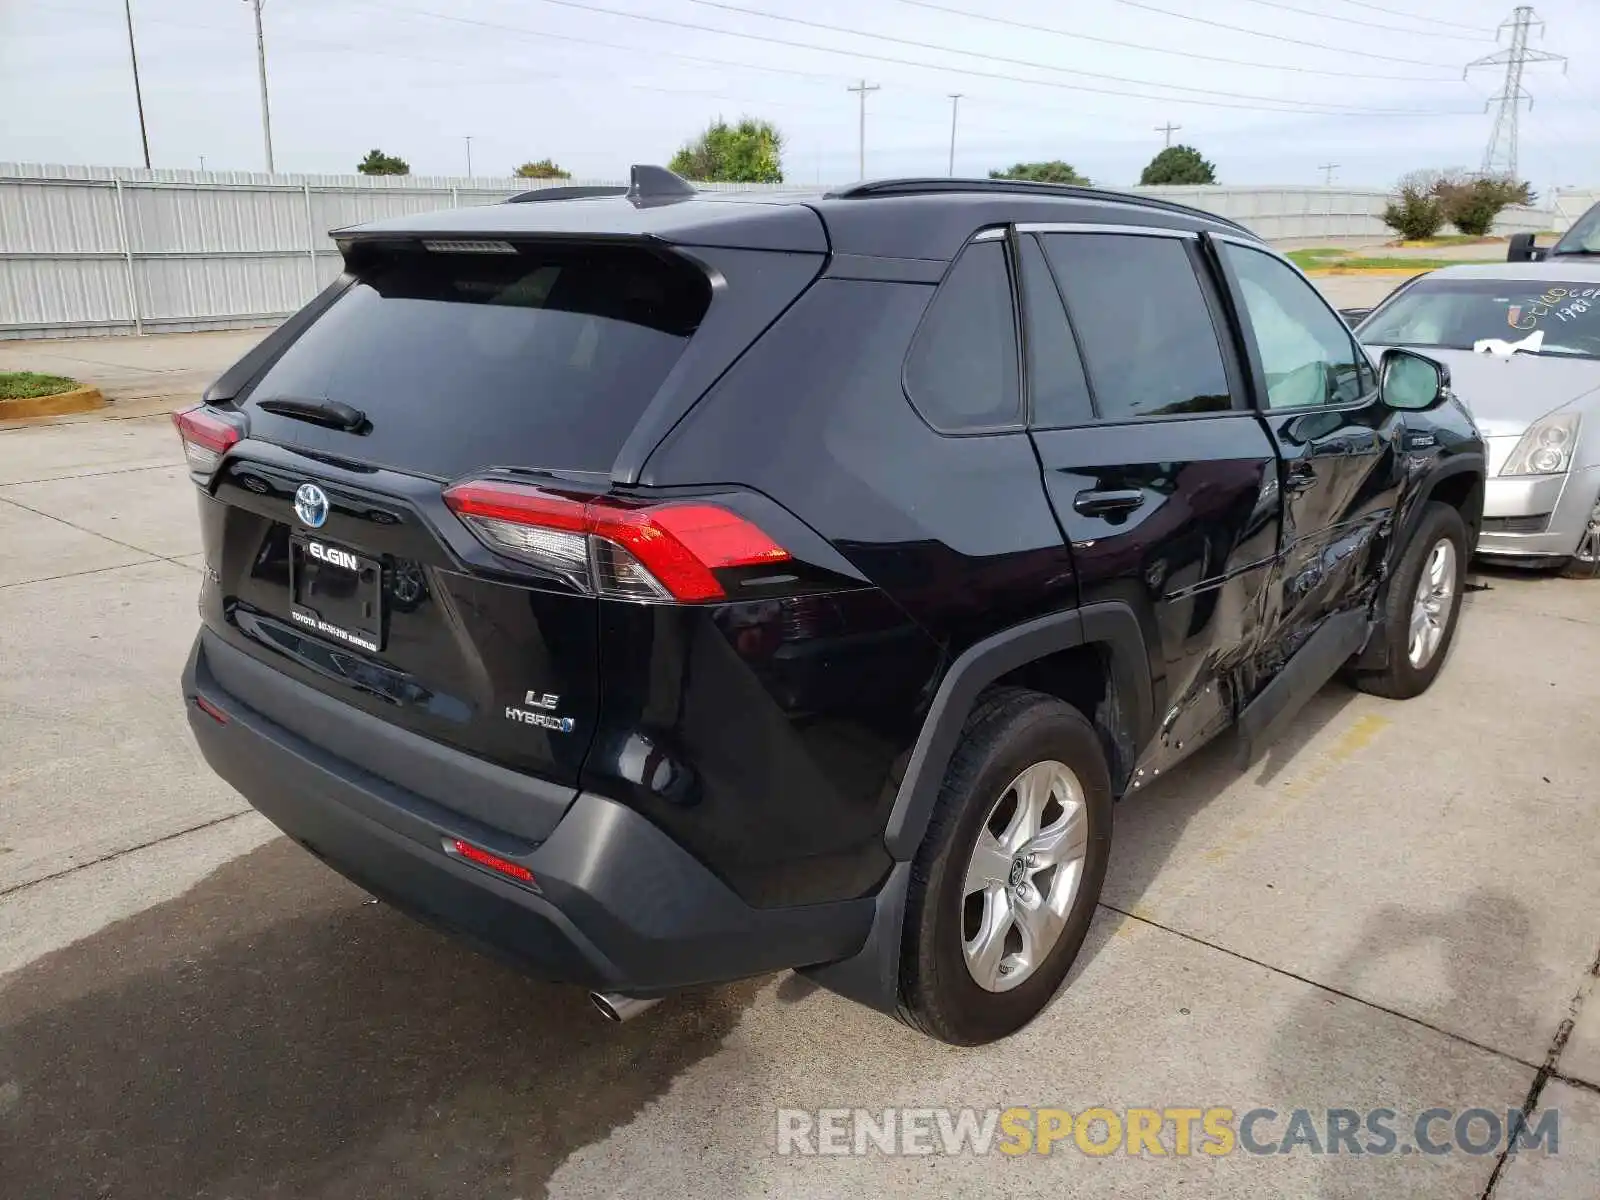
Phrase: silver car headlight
(1546,449)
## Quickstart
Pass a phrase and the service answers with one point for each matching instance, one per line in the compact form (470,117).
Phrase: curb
(78,400)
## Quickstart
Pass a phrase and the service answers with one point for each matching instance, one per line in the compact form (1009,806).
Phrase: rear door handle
(1109,502)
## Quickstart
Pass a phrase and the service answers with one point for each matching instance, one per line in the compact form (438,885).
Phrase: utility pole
(202,162)
(1500,158)
(861,90)
(469,156)
(955,103)
(138,96)
(1328,169)
(261,63)
(1169,129)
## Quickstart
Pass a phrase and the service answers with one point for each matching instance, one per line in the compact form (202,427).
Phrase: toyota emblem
(311,505)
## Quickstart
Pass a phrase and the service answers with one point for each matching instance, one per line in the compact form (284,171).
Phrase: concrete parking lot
(1399,908)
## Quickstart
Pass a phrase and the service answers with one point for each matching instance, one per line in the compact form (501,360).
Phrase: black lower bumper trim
(620,906)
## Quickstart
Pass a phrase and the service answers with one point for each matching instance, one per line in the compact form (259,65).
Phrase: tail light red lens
(652,552)
(206,438)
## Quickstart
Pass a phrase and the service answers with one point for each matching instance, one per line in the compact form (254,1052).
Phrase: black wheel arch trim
(1112,625)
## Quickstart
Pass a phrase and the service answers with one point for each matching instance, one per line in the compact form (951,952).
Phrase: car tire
(1407,675)
(1019,750)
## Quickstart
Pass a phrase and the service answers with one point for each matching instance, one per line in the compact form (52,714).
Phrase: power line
(1395,12)
(1186,54)
(999,58)
(1311,12)
(1278,106)
(1273,37)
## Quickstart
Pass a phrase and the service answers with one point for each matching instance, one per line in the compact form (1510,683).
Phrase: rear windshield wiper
(334,414)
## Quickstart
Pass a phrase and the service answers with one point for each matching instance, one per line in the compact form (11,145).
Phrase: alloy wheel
(1023,875)
(1432,605)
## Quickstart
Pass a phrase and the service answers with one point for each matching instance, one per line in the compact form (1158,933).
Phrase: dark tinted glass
(544,357)
(1143,324)
(1055,374)
(962,373)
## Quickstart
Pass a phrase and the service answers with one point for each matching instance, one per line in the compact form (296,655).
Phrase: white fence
(93,250)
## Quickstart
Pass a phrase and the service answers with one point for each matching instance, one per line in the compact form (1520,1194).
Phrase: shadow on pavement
(274,1033)
(1486,933)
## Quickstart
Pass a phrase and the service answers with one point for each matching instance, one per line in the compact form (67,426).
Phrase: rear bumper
(1513,507)
(619,905)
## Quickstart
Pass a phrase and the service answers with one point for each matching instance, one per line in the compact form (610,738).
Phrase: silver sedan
(1522,342)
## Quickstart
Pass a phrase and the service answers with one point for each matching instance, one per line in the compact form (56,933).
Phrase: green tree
(1178,164)
(1054,171)
(749,152)
(378,163)
(543,169)
(1472,205)
(1416,212)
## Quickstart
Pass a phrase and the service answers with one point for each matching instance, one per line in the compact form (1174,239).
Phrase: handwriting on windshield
(1568,304)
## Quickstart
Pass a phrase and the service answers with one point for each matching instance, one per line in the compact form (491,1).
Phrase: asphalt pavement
(1399,908)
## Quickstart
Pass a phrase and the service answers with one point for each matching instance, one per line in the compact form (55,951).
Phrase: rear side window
(962,372)
(545,356)
(1055,374)
(1146,333)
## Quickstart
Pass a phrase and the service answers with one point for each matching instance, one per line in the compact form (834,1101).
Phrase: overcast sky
(597,90)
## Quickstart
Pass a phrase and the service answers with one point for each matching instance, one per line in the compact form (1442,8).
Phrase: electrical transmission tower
(1500,159)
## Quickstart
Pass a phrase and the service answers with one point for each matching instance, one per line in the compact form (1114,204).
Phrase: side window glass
(1147,337)
(1307,353)
(962,372)
(1055,373)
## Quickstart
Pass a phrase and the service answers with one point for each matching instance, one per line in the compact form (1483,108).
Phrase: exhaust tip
(618,1008)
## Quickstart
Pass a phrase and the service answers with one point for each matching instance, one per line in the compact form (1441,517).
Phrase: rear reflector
(491,862)
(206,438)
(651,552)
(211,710)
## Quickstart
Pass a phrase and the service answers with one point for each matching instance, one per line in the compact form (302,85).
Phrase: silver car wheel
(1431,608)
(1023,875)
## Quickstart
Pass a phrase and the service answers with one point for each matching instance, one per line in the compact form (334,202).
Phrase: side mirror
(1412,382)
(1522,249)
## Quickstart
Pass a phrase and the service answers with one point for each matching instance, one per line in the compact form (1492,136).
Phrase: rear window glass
(962,373)
(542,357)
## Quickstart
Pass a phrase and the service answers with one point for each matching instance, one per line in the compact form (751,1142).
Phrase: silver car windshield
(1583,237)
(1457,314)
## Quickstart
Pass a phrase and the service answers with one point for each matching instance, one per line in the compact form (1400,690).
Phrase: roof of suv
(905,218)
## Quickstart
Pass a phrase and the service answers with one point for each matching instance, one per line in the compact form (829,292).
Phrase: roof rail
(937,185)
(578,191)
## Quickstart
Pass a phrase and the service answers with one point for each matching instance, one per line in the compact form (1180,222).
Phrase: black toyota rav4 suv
(659,588)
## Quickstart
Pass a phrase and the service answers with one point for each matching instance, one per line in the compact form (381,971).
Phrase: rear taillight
(206,438)
(662,552)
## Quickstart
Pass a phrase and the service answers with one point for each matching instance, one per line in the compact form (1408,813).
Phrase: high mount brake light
(654,552)
(206,438)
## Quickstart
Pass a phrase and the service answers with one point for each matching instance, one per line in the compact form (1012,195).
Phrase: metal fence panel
(93,250)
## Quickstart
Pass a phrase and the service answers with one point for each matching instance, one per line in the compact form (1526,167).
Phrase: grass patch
(1322,258)
(25,385)
(1452,239)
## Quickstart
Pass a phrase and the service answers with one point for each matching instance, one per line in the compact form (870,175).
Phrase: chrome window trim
(990,235)
(1086,227)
